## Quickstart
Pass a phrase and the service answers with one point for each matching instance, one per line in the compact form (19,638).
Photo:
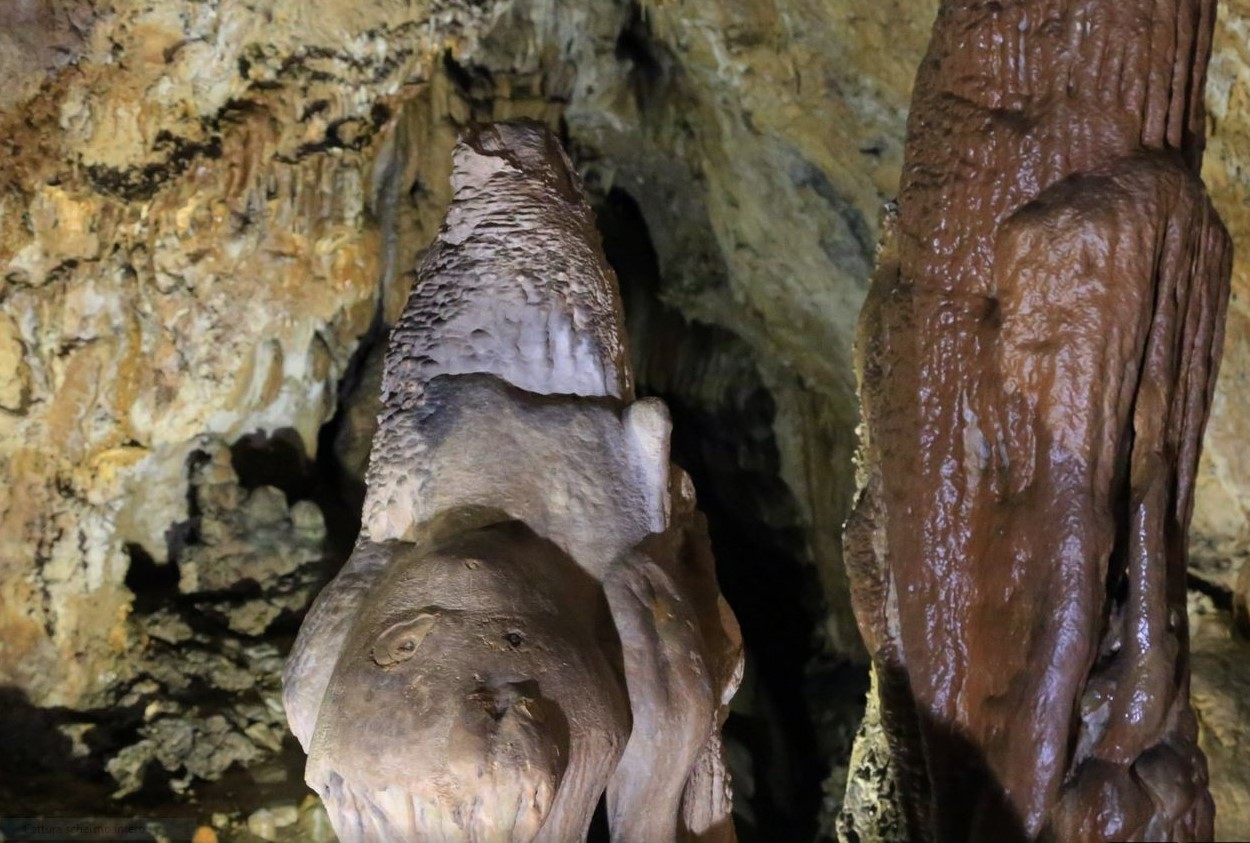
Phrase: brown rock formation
(1038,355)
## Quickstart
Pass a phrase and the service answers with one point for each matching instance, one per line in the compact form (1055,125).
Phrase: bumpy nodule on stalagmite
(1037,358)
(531,615)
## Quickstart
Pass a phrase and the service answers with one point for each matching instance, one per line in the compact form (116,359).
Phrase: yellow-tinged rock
(14,372)
(204,834)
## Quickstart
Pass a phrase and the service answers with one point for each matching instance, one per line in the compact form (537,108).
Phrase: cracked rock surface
(206,684)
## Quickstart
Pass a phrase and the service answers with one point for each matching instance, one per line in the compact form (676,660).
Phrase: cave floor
(265,801)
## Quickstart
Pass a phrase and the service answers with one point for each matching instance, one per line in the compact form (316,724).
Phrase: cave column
(1037,357)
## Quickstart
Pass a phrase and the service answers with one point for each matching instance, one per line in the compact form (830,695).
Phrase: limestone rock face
(186,251)
(1221,699)
(250,547)
(221,178)
(1221,526)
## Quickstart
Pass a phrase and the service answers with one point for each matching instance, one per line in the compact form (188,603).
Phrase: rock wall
(1221,697)
(207,207)
(1221,527)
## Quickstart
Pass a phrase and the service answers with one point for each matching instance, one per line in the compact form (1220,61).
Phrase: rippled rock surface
(1038,356)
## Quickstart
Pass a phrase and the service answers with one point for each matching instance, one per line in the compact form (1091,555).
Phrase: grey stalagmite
(531,616)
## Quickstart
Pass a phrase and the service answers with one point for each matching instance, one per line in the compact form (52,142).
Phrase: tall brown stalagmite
(1037,358)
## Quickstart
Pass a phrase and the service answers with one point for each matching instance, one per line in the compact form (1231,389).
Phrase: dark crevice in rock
(152,583)
(460,76)
(140,183)
(274,459)
(1220,594)
(475,84)
(278,459)
(648,64)
(187,532)
(599,831)
(343,447)
(52,759)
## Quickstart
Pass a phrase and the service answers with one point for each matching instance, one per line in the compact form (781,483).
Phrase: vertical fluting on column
(1037,357)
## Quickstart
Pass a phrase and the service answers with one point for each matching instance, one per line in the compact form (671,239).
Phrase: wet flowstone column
(1037,357)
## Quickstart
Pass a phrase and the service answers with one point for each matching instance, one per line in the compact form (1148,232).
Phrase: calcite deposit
(1038,356)
(530,617)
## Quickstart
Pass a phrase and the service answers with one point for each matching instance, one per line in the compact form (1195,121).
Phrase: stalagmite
(531,614)
(1037,358)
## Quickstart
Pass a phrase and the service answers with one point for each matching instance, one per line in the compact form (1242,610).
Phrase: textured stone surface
(1221,699)
(247,559)
(243,537)
(201,209)
(188,740)
(1220,687)
(180,259)
(872,809)
(1221,527)
(261,233)
(531,616)
(260,140)
(1037,357)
